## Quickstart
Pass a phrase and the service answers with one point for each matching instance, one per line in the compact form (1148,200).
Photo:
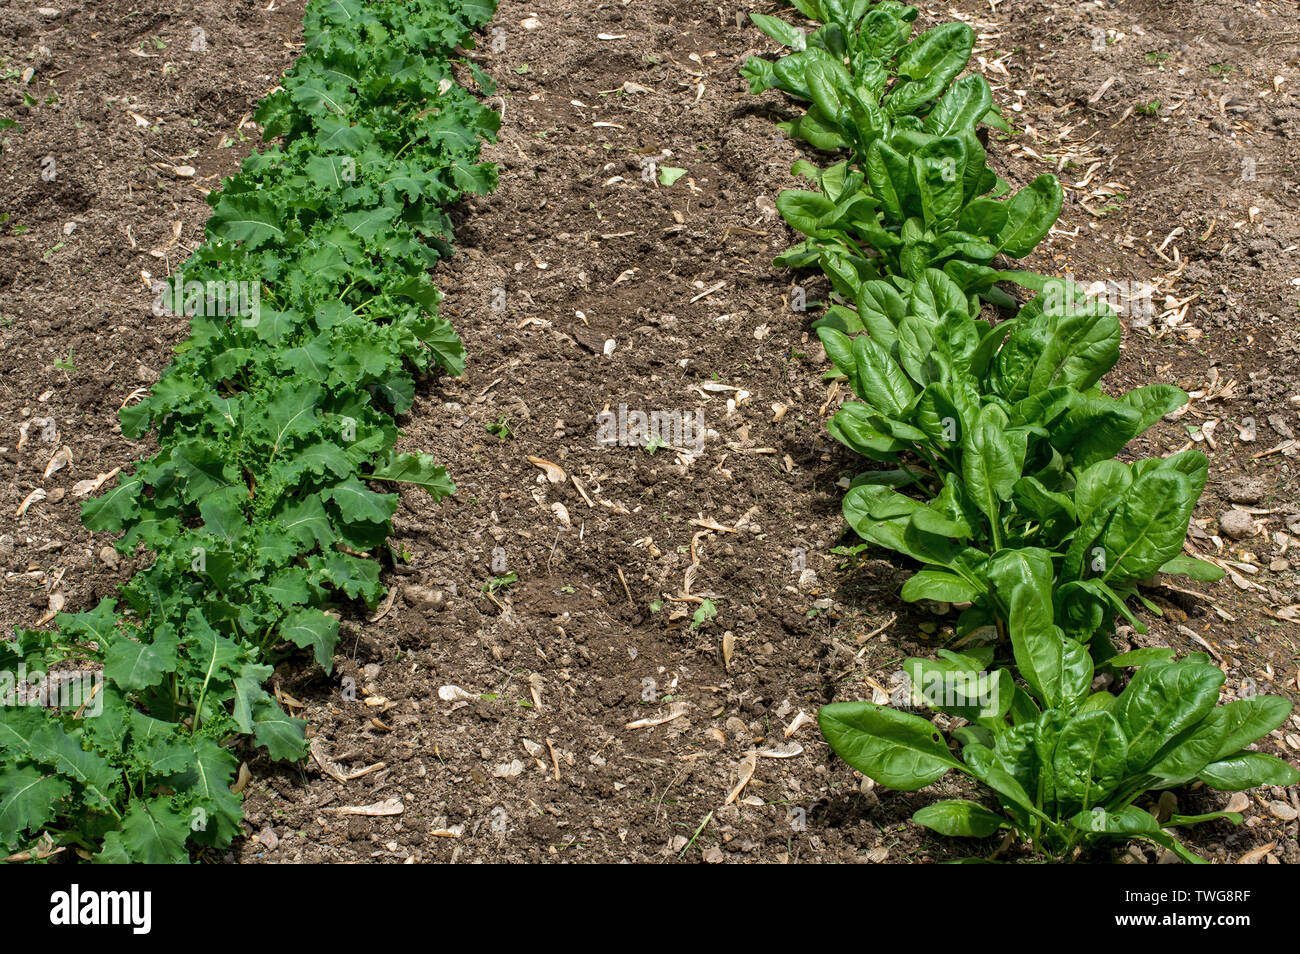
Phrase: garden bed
(586,243)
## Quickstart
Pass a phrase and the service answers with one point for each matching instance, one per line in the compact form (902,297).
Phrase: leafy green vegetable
(918,188)
(1000,447)
(311,317)
(1069,775)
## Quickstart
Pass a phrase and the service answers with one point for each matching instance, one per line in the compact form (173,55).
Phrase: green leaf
(810,9)
(1161,701)
(1130,820)
(417,469)
(890,177)
(1022,580)
(959,817)
(111,511)
(315,630)
(1088,760)
(356,502)
(246,219)
(1148,528)
(958,686)
(1095,429)
(1248,720)
(983,217)
(805,211)
(248,694)
(1198,570)
(991,461)
(138,665)
(212,652)
(1101,486)
(1153,402)
(1176,820)
(670,174)
(939,297)
(884,386)
(854,426)
(1081,346)
(156,745)
(985,765)
(368,223)
(222,513)
(927,64)
(208,779)
(319,98)
(1030,215)
(92,772)
(960,108)
(939,586)
(779,30)
(1248,770)
(28,800)
(292,413)
(936,171)
(1141,657)
(898,750)
(1180,759)
(305,522)
(154,832)
(284,738)
(332,172)
(19,725)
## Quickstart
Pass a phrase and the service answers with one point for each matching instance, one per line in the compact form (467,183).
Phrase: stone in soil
(1236,524)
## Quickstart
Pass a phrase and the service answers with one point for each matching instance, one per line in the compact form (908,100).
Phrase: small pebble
(424,597)
(1236,524)
(1246,490)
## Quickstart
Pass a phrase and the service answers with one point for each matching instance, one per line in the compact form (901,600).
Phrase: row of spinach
(998,447)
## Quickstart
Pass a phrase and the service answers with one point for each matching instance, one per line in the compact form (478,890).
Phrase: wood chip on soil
(676,712)
(747,767)
(389,806)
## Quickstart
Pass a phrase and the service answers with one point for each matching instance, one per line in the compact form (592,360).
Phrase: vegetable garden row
(268,425)
(995,452)
(1007,445)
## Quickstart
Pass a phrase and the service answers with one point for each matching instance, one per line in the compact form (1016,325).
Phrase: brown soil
(90,208)
(540,764)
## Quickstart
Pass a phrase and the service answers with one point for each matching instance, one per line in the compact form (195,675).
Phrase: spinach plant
(1005,433)
(918,191)
(1066,767)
